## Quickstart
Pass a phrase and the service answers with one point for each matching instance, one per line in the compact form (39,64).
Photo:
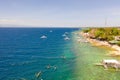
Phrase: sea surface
(24,55)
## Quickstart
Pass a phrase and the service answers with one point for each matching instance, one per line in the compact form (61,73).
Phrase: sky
(60,13)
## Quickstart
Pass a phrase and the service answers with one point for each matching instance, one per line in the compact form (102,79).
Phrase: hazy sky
(62,13)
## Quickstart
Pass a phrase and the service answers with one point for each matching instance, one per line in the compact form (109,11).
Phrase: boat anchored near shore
(106,63)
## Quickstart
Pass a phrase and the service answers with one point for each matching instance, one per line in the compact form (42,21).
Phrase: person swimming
(54,67)
(48,66)
(37,75)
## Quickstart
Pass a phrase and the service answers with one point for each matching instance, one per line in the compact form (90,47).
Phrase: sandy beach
(114,49)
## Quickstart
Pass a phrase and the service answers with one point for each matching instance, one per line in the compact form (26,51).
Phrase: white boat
(64,35)
(37,75)
(79,40)
(66,38)
(109,63)
(85,41)
(51,31)
(43,37)
(66,32)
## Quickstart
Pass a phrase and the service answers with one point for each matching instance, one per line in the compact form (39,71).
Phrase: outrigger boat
(109,63)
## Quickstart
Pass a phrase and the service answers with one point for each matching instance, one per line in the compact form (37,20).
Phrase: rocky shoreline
(114,49)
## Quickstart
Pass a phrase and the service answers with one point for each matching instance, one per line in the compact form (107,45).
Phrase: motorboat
(64,35)
(66,38)
(51,31)
(43,37)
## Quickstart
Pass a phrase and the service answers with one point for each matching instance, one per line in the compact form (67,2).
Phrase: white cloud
(116,13)
(38,23)
(7,21)
(60,23)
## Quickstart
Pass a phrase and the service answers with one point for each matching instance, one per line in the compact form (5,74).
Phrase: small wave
(19,78)
(3,69)
(45,57)
(22,63)
(2,61)
(28,62)
(8,56)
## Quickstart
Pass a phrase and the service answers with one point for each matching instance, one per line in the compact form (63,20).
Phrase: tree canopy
(105,34)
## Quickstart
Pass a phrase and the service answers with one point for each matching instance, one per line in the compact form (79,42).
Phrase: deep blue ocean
(26,56)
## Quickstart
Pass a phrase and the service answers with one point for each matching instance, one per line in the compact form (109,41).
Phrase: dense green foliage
(105,34)
(118,43)
(86,30)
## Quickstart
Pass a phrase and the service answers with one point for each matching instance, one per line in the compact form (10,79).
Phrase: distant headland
(105,37)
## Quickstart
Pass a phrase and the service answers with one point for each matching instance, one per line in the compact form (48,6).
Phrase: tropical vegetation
(112,35)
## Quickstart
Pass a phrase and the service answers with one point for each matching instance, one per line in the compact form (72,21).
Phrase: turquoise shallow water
(87,56)
(24,55)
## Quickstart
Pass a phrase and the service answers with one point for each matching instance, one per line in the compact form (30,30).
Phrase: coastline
(114,50)
(86,57)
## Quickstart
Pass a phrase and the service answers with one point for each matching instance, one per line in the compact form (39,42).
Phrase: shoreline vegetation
(108,38)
